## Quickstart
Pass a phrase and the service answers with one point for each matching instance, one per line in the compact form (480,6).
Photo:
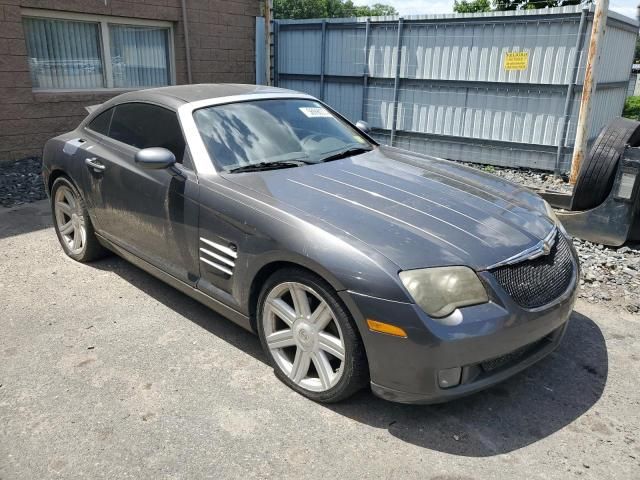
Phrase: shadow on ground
(25,219)
(529,407)
(522,410)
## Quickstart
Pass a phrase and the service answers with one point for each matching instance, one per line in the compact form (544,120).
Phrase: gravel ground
(609,275)
(533,179)
(21,182)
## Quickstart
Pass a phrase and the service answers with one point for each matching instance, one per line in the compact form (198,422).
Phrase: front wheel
(310,337)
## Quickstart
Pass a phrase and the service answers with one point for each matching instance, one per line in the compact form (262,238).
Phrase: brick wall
(221,38)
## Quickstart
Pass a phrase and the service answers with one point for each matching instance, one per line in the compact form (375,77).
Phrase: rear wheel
(72,223)
(597,172)
(310,337)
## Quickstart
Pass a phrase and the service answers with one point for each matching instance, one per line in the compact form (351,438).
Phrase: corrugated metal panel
(457,51)
(346,98)
(344,52)
(607,104)
(299,51)
(478,152)
(433,52)
(506,114)
(617,55)
(378,109)
(383,50)
(455,97)
(312,87)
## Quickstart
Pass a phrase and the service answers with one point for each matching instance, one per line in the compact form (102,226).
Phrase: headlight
(552,215)
(440,290)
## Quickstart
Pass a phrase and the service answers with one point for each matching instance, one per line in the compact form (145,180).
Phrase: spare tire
(598,170)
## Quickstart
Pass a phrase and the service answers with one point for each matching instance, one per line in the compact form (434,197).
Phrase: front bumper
(493,341)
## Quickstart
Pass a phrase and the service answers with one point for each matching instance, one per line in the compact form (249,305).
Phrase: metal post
(268,36)
(396,83)
(571,87)
(260,52)
(365,69)
(322,55)
(276,39)
(588,88)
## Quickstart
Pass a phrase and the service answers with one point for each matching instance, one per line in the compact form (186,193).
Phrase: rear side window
(101,123)
(142,126)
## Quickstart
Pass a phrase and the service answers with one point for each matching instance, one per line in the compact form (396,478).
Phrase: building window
(64,54)
(93,52)
(139,56)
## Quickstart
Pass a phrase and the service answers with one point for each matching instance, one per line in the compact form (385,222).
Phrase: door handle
(94,163)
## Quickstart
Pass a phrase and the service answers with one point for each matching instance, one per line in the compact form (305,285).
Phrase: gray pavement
(105,372)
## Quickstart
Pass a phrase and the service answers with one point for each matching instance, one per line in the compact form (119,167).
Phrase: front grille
(534,283)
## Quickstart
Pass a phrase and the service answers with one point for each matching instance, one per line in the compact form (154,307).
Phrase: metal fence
(458,86)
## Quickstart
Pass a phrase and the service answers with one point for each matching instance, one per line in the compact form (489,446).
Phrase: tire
(74,215)
(597,172)
(303,339)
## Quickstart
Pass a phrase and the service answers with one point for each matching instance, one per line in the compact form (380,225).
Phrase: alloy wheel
(303,336)
(69,219)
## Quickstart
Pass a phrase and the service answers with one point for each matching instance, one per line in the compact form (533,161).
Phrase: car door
(151,213)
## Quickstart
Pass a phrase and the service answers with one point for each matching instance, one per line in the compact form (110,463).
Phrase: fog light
(449,377)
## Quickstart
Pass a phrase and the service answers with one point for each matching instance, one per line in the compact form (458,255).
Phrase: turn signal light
(381,327)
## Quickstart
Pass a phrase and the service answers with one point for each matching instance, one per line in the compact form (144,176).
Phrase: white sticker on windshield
(314,112)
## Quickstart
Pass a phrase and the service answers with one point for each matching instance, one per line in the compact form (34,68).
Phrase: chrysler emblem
(544,248)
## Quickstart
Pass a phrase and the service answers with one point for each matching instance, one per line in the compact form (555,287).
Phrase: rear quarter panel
(56,160)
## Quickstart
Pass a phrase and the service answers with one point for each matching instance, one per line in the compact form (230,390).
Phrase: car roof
(178,95)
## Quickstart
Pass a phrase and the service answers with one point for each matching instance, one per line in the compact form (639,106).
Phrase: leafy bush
(632,108)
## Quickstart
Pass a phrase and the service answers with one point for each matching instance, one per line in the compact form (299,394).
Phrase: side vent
(218,256)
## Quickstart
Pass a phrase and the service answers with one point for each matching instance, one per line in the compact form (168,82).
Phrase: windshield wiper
(256,167)
(347,152)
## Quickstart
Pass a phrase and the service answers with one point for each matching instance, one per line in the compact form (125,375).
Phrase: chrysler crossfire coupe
(357,264)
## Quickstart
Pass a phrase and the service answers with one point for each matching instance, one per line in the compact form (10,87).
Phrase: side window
(101,123)
(142,126)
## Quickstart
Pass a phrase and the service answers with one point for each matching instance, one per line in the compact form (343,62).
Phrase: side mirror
(363,126)
(155,158)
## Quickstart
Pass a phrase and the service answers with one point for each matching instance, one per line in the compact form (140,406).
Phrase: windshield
(279,130)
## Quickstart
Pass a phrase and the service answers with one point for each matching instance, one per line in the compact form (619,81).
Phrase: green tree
(530,4)
(375,10)
(471,6)
(328,9)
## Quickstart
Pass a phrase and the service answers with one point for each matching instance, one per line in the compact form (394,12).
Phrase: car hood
(417,211)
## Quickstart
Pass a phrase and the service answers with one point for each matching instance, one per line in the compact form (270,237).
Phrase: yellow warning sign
(516,61)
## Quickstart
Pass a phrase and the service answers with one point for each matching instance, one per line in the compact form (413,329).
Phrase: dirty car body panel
(357,222)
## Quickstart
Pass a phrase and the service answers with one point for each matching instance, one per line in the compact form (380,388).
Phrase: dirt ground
(105,372)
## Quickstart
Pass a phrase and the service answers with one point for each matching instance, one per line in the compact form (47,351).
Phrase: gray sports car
(354,262)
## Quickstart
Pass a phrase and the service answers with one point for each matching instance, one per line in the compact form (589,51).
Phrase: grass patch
(632,108)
